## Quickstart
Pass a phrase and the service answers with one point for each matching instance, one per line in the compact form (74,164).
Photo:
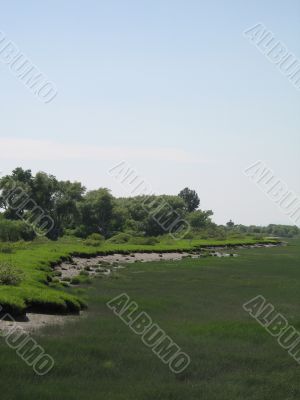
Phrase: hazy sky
(171,87)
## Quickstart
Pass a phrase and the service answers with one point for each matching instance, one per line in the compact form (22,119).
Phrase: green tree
(67,200)
(230,224)
(15,189)
(200,219)
(191,199)
(40,195)
(96,211)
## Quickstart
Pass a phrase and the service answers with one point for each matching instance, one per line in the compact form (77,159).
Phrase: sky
(171,87)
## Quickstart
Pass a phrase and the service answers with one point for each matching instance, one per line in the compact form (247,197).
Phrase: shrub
(96,236)
(95,239)
(12,231)
(120,238)
(10,275)
(81,231)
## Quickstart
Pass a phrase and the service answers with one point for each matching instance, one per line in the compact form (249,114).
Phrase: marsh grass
(198,302)
(36,259)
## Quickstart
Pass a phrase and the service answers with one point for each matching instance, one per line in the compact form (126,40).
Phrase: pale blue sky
(172,87)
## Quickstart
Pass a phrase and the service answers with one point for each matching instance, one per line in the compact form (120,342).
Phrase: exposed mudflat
(105,265)
(33,322)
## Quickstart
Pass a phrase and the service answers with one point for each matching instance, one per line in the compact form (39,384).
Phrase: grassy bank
(198,302)
(37,292)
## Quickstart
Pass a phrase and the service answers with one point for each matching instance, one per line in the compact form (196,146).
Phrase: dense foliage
(26,198)
(82,213)
(271,230)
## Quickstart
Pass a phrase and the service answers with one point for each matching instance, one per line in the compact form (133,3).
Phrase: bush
(13,231)
(120,238)
(81,231)
(10,275)
(96,237)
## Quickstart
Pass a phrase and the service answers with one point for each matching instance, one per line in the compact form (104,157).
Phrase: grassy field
(198,302)
(35,260)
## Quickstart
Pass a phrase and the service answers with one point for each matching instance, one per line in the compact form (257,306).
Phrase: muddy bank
(32,322)
(107,264)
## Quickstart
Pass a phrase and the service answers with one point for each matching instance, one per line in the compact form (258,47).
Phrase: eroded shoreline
(106,265)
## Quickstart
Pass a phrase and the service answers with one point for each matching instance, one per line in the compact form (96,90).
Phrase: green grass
(36,258)
(198,302)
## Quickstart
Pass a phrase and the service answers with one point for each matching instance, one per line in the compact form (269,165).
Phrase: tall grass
(35,259)
(198,302)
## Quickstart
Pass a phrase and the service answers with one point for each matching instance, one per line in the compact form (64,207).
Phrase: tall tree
(15,188)
(96,211)
(200,219)
(40,195)
(190,198)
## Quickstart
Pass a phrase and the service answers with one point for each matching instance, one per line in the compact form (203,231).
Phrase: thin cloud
(36,150)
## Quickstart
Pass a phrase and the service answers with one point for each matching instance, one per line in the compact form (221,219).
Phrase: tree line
(79,212)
